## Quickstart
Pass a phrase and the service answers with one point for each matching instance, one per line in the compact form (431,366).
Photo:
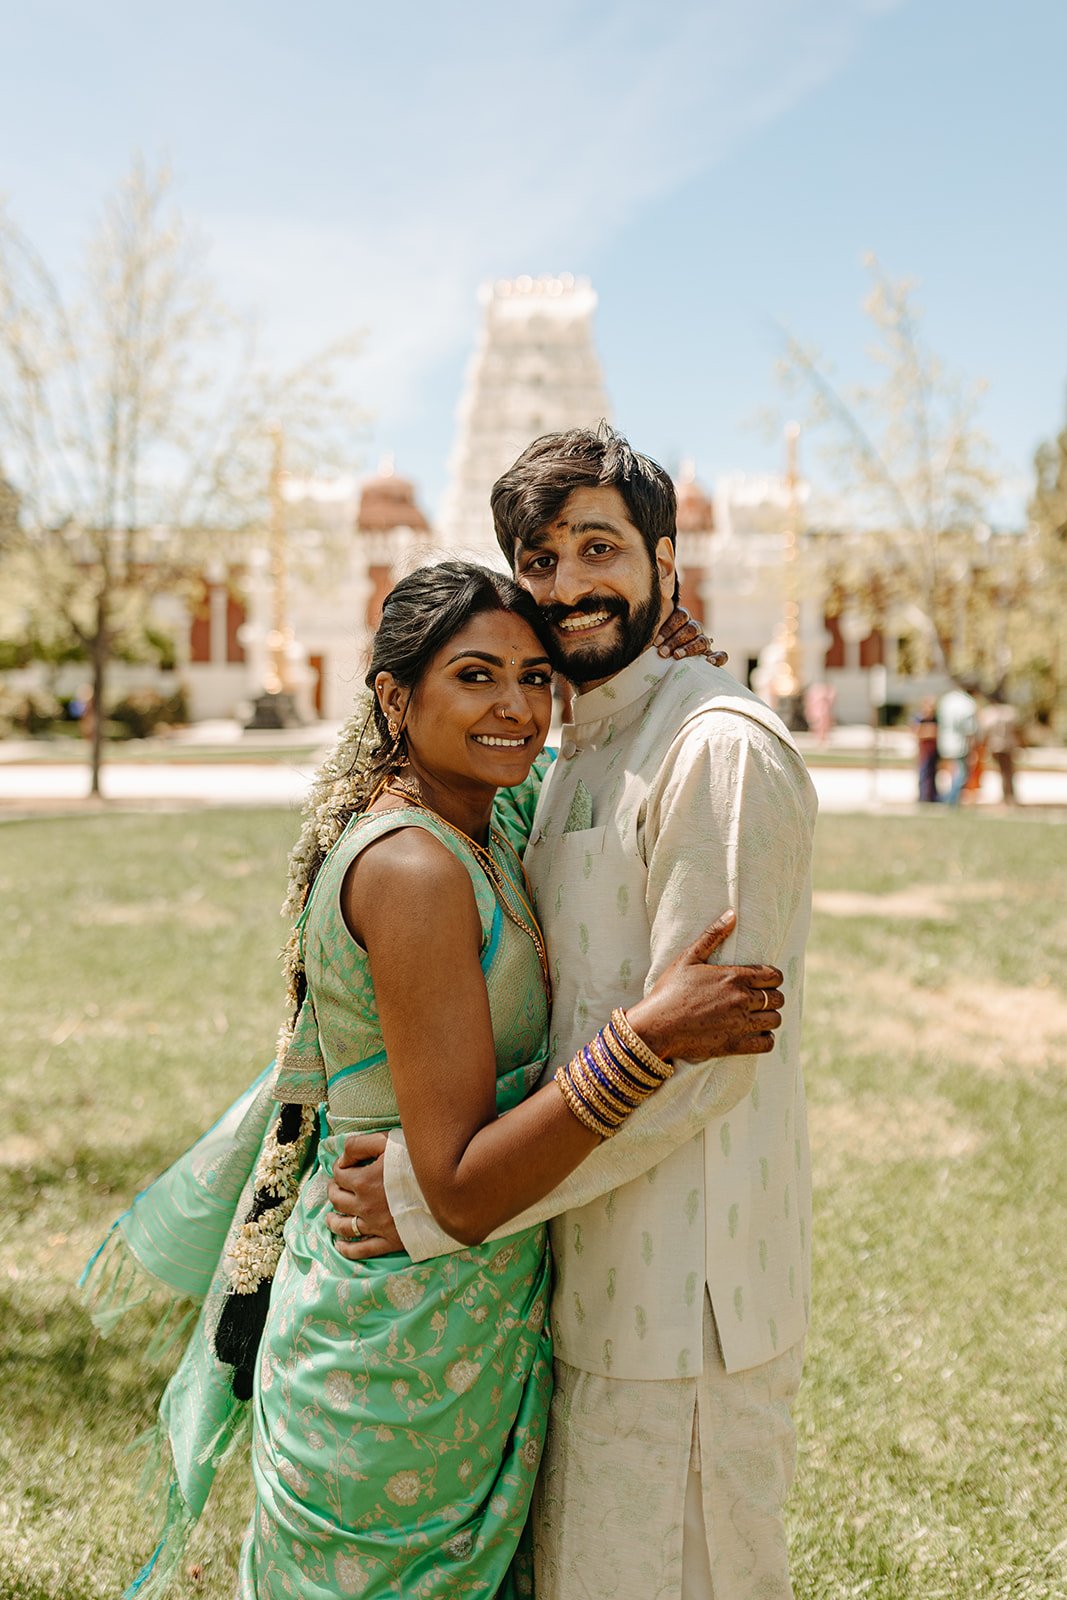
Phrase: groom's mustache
(555,613)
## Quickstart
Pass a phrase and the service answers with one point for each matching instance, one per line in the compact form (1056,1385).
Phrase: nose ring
(505,714)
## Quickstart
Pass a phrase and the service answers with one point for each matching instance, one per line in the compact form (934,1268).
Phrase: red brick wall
(382,581)
(690,594)
(236,616)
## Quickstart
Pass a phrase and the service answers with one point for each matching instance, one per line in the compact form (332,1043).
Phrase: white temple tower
(534,371)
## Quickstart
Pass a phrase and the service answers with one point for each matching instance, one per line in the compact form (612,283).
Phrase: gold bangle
(637,1078)
(585,1084)
(578,1108)
(637,1046)
(630,1092)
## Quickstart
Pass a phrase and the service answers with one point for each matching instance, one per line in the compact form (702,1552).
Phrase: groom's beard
(618,642)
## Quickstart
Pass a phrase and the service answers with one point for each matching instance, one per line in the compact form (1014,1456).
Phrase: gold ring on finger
(358,1230)
(766,1006)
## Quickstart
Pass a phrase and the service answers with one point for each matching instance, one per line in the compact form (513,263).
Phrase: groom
(681,1246)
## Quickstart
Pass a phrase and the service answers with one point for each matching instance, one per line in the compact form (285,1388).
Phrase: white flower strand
(339,783)
(279,1164)
(342,786)
(253,1257)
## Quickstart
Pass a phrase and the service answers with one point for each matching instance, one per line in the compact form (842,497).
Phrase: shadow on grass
(53,1363)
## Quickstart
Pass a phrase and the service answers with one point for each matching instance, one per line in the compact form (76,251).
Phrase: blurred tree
(904,535)
(9,514)
(1044,662)
(135,425)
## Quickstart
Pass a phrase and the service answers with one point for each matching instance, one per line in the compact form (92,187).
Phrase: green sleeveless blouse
(337,1056)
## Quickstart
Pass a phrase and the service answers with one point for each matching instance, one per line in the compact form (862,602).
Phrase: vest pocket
(580,842)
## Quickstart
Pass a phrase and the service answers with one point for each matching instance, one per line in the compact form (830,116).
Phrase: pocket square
(580,815)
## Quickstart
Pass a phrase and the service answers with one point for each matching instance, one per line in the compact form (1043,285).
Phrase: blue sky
(714,166)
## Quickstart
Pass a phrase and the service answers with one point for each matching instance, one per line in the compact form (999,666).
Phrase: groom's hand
(361,1222)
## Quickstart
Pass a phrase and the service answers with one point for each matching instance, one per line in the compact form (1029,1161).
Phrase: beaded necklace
(516,905)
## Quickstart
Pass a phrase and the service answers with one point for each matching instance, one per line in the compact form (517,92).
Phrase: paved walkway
(27,786)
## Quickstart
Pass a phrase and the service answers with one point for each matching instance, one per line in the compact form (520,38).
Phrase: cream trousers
(670,1489)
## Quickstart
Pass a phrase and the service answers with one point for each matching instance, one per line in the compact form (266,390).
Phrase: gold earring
(394,728)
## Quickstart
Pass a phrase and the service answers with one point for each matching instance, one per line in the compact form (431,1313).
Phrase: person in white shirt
(682,1244)
(957,725)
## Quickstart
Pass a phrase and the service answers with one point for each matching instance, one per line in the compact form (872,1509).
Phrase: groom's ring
(357,1229)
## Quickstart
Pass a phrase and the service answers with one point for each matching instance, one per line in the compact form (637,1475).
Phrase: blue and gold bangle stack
(609,1077)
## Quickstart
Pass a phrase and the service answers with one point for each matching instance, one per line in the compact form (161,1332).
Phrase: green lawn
(142,993)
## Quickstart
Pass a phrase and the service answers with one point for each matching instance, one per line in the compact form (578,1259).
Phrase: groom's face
(590,571)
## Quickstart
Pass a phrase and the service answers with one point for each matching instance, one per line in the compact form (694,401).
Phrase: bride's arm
(410,903)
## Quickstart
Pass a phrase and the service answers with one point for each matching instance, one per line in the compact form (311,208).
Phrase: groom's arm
(728,822)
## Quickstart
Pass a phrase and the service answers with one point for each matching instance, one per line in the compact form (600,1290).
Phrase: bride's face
(481,711)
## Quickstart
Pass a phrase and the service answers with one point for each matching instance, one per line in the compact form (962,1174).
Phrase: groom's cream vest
(697,800)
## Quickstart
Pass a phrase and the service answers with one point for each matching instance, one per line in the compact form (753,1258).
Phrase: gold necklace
(496,875)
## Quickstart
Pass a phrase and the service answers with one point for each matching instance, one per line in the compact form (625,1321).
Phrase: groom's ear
(667,569)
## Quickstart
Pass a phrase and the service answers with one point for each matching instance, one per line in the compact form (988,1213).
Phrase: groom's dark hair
(535,488)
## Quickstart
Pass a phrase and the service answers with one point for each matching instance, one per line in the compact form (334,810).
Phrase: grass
(142,994)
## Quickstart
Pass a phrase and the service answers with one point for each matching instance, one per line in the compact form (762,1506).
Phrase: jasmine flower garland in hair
(342,788)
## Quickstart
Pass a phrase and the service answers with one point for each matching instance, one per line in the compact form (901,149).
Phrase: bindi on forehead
(562,528)
(574,526)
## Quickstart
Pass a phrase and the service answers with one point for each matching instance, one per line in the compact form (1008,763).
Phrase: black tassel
(290,1120)
(237,1336)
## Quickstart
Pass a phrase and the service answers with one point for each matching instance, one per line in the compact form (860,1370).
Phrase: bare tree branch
(910,467)
(143,407)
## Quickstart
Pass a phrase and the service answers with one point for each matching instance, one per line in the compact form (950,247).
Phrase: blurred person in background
(998,723)
(819,701)
(925,725)
(957,729)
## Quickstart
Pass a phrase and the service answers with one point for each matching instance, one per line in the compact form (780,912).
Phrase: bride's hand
(681,636)
(360,1221)
(696,1011)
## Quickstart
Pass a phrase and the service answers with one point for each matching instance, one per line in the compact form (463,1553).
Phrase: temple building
(751,584)
(534,370)
(696,527)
